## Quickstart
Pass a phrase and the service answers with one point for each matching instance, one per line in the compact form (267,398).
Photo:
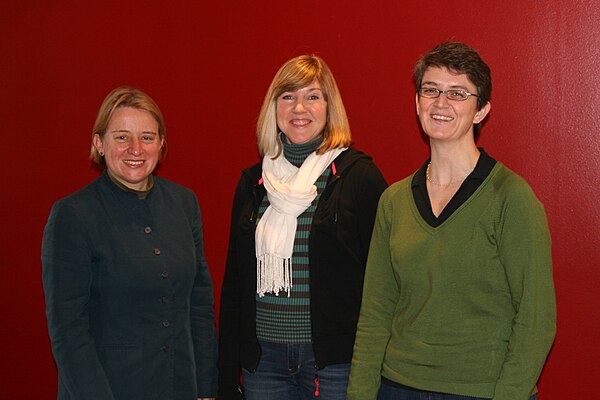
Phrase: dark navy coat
(129,297)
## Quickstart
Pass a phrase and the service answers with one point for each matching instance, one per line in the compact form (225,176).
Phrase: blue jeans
(288,372)
(390,392)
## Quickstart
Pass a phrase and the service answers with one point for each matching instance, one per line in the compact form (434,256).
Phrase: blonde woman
(300,231)
(129,297)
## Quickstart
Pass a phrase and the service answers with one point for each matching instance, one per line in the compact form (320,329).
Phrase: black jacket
(338,246)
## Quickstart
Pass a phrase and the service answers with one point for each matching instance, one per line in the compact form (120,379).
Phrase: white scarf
(291,191)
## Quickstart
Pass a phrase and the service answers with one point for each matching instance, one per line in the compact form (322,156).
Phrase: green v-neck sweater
(465,308)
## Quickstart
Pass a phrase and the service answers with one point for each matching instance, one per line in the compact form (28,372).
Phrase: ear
(98,143)
(417,103)
(481,114)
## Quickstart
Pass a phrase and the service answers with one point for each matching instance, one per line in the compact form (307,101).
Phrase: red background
(208,66)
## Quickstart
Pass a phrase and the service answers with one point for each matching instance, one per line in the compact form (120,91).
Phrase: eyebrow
(128,131)
(314,89)
(308,89)
(430,83)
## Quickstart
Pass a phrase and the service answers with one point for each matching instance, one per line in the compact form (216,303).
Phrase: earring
(101,153)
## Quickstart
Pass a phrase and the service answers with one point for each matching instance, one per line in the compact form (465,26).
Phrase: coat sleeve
(525,252)
(203,316)
(380,296)
(67,278)
(230,307)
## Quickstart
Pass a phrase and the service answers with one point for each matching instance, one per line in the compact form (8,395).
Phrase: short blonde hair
(125,96)
(295,74)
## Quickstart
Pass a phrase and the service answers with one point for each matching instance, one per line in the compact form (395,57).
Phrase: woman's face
(301,115)
(131,146)
(444,119)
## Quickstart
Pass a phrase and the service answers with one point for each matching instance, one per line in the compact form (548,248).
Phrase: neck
(451,167)
(453,181)
(141,194)
(297,153)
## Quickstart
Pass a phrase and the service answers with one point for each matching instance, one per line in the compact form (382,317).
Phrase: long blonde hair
(295,74)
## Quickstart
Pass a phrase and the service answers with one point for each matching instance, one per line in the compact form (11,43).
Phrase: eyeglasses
(451,94)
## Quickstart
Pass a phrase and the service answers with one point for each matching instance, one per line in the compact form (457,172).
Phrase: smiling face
(131,146)
(302,114)
(449,120)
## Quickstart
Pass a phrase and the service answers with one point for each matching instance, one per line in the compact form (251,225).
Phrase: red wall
(208,65)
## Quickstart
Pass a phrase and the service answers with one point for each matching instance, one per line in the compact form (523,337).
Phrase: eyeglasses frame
(445,93)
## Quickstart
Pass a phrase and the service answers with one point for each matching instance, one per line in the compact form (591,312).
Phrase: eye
(313,97)
(148,138)
(457,94)
(120,138)
(287,97)
(429,92)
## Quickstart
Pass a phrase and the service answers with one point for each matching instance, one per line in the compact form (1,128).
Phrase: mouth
(134,163)
(438,117)
(300,122)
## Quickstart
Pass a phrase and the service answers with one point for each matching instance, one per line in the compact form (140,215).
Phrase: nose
(299,107)
(441,100)
(135,147)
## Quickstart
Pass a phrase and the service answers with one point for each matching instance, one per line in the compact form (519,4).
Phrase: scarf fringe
(290,191)
(273,274)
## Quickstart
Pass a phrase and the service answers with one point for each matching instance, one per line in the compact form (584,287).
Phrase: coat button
(166,323)
(157,251)
(147,229)
(164,274)
(164,300)
(166,348)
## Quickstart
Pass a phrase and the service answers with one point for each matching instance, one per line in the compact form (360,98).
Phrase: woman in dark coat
(129,297)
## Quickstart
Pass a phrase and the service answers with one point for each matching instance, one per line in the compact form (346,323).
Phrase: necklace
(452,182)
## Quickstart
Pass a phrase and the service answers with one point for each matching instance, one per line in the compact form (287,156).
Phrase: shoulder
(510,185)
(171,194)
(397,189)
(514,199)
(251,175)
(355,164)
(173,188)
(82,200)
(78,212)
(247,183)
(353,158)
(253,172)
(396,197)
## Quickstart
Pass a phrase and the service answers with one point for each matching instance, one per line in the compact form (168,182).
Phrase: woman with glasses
(300,231)
(458,300)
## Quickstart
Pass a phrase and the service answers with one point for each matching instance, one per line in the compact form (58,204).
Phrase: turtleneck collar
(141,194)
(297,153)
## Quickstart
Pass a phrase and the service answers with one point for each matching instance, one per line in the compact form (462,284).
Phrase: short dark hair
(458,58)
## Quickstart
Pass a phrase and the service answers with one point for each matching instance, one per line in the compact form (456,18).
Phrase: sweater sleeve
(202,316)
(525,252)
(380,296)
(67,278)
